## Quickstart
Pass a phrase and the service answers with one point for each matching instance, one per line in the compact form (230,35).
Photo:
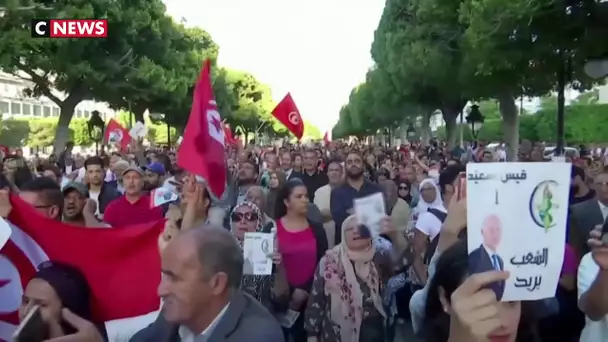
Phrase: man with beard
(246,177)
(355,186)
(155,176)
(78,209)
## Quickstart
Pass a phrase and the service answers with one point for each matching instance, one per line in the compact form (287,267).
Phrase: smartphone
(32,328)
(462,185)
(364,231)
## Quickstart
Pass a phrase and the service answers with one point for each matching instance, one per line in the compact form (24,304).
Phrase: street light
(475,119)
(410,132)
(95,127)
(596,68)
(161,117)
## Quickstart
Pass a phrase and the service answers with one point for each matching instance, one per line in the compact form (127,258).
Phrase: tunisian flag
(289,115)
(229,138)
(327,138)
(121,264)
(202,149)
(115,134)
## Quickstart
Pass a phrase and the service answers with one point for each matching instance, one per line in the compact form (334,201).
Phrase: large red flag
(117,135)
(288,114)
(121,264)
(202,149)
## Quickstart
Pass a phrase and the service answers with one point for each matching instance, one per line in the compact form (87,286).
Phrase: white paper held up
(370,210)
(256,248)
(518,225)
(139,130)
(161,196)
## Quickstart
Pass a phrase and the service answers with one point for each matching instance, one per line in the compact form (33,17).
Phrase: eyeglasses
(238,217)
(403,188)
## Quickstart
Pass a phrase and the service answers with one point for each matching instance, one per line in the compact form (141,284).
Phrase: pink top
(569,266)
(299,253)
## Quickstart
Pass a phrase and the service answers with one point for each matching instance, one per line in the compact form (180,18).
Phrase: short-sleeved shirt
(120,212)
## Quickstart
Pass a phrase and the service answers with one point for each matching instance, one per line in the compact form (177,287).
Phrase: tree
(78,68)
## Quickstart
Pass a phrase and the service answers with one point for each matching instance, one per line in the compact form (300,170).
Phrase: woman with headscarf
(272,291)
(56,287)
(428,218)
(345,303)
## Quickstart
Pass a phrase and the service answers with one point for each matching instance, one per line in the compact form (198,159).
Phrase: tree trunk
(510,124)
(425,128)
(449,116)
(62,132)
(403,129)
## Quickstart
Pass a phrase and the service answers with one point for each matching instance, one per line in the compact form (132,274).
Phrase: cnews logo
(69,28)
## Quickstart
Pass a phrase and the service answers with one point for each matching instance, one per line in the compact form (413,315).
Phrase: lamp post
(161,117)
(475,119)
(410,132)
(95,128)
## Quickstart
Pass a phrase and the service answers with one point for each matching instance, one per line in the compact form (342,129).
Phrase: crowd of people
(331,281)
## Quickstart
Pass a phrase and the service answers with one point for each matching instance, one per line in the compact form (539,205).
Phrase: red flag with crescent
(115,134)
(202,149)
(288,114)
(120,264)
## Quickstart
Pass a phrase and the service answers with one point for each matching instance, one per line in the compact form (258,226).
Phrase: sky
(316,49)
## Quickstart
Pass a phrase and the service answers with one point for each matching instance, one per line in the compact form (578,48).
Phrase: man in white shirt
(201,276)
(593,289)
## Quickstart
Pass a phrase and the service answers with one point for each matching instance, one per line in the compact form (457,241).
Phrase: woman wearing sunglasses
(273,290)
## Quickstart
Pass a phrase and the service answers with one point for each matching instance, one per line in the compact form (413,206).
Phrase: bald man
(485,257)
(202,270)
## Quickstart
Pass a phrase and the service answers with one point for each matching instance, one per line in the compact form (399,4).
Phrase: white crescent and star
(294,118)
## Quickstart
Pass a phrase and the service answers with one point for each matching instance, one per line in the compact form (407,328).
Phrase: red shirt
(120,212)
(299,253)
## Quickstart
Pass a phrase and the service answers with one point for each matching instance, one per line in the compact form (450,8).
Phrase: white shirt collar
(186,335)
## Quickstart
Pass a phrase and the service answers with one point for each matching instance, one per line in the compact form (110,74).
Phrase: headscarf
(423,206)
(342,269)
(257,286)
(254,208)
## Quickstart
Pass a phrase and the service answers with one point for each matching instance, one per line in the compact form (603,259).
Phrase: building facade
(14,104)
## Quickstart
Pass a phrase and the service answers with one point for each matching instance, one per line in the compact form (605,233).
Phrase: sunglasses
(403,188)
(238,217)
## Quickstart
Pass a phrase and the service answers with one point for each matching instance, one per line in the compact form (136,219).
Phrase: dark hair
(218,252)
(48,189)
(252,162)
(448,175)
(284,192)
(54,169)
(451,270)
(71,287)
(22,176)
(95,160)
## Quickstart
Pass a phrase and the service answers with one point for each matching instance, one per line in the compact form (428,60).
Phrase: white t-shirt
(81,174)
(95,197)
(428,224)
(587,271)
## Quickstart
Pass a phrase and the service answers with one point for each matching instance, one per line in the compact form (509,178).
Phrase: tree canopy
(434,54)
(147,62)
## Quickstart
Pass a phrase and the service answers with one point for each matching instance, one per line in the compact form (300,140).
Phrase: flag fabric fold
(327,138)
(202,149)
(121,264)
(288,114)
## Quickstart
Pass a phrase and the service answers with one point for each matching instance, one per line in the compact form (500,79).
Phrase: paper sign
(256,248)
(370,211)
(139,130)
(160,196)
(518,225)
(5,232)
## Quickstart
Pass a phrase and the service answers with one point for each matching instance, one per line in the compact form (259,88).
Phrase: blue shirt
(342,199)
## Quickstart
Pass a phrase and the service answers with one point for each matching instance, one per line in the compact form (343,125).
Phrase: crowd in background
(342,284)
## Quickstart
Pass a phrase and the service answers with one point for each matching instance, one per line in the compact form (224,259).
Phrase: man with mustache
(78,209)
